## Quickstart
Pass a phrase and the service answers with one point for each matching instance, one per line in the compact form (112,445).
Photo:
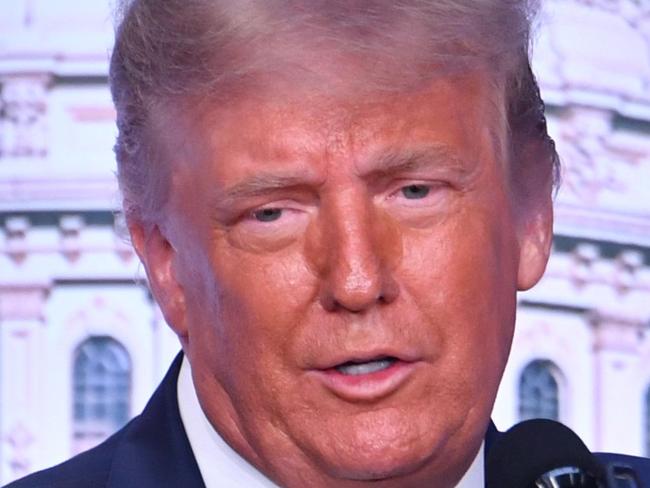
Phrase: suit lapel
(154,451)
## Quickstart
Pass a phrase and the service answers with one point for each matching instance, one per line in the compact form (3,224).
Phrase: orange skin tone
(389,227)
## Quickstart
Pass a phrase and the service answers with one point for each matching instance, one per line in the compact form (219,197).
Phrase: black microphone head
(531,449)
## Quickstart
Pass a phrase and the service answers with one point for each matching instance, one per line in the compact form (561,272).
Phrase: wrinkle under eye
(413,192)
(267,214)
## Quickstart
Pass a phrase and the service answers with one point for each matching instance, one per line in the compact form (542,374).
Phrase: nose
(358,255)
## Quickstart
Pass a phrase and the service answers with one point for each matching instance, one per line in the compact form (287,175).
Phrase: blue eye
(413,192)
(267,214)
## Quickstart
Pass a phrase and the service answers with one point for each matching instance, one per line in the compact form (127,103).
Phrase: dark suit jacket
(152,451)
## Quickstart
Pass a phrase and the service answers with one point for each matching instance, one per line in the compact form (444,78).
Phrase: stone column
(618,390)
(21,322)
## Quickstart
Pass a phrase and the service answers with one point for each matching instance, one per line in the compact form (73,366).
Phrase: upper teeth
(365,368)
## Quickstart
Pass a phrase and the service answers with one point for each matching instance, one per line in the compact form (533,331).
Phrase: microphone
(542,453)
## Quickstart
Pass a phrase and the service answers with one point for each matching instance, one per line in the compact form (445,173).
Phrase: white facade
(590,315)
(66,271)
(67,274)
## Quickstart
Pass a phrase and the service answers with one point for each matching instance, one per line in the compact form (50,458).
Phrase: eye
(414,192)
(267,214)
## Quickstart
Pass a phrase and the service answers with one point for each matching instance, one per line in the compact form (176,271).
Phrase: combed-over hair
(171,51)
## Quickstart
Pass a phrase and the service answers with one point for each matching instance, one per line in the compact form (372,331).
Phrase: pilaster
(21,322)
(617,339)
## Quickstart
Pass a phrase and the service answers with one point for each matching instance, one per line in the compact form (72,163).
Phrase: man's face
(342,275)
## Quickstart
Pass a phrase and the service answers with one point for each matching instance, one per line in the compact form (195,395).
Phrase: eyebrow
(385,165)
(401,161)
(263,183)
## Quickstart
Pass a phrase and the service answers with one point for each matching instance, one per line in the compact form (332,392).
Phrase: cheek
(256,301)
(462,276)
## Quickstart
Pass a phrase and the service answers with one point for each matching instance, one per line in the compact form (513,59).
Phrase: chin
(414,465)
(386,467)
(380,457)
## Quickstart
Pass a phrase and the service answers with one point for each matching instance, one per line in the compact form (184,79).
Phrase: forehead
(461,113)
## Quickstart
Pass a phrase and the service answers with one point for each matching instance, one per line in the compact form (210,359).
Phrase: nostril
(357,302)
(382,290)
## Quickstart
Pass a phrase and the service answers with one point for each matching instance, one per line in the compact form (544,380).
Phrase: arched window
(102,391)
(539,391)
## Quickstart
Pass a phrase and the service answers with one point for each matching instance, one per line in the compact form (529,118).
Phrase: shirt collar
(222,467)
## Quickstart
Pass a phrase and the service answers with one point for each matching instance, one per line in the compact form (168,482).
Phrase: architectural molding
(22,303)
(34,238)
(19,440)
(617,331)
(581,45)
(23,115)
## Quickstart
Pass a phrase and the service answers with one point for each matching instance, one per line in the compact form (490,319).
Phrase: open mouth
(367,379)
(357,368)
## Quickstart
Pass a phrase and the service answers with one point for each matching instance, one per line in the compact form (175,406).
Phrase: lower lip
(367,387)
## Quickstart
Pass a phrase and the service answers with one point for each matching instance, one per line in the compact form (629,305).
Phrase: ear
(158,257)
(535,229)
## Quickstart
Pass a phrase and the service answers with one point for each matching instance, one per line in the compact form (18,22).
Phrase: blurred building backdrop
(82,344)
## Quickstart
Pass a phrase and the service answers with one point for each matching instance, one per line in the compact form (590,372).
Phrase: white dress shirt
(222,467)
